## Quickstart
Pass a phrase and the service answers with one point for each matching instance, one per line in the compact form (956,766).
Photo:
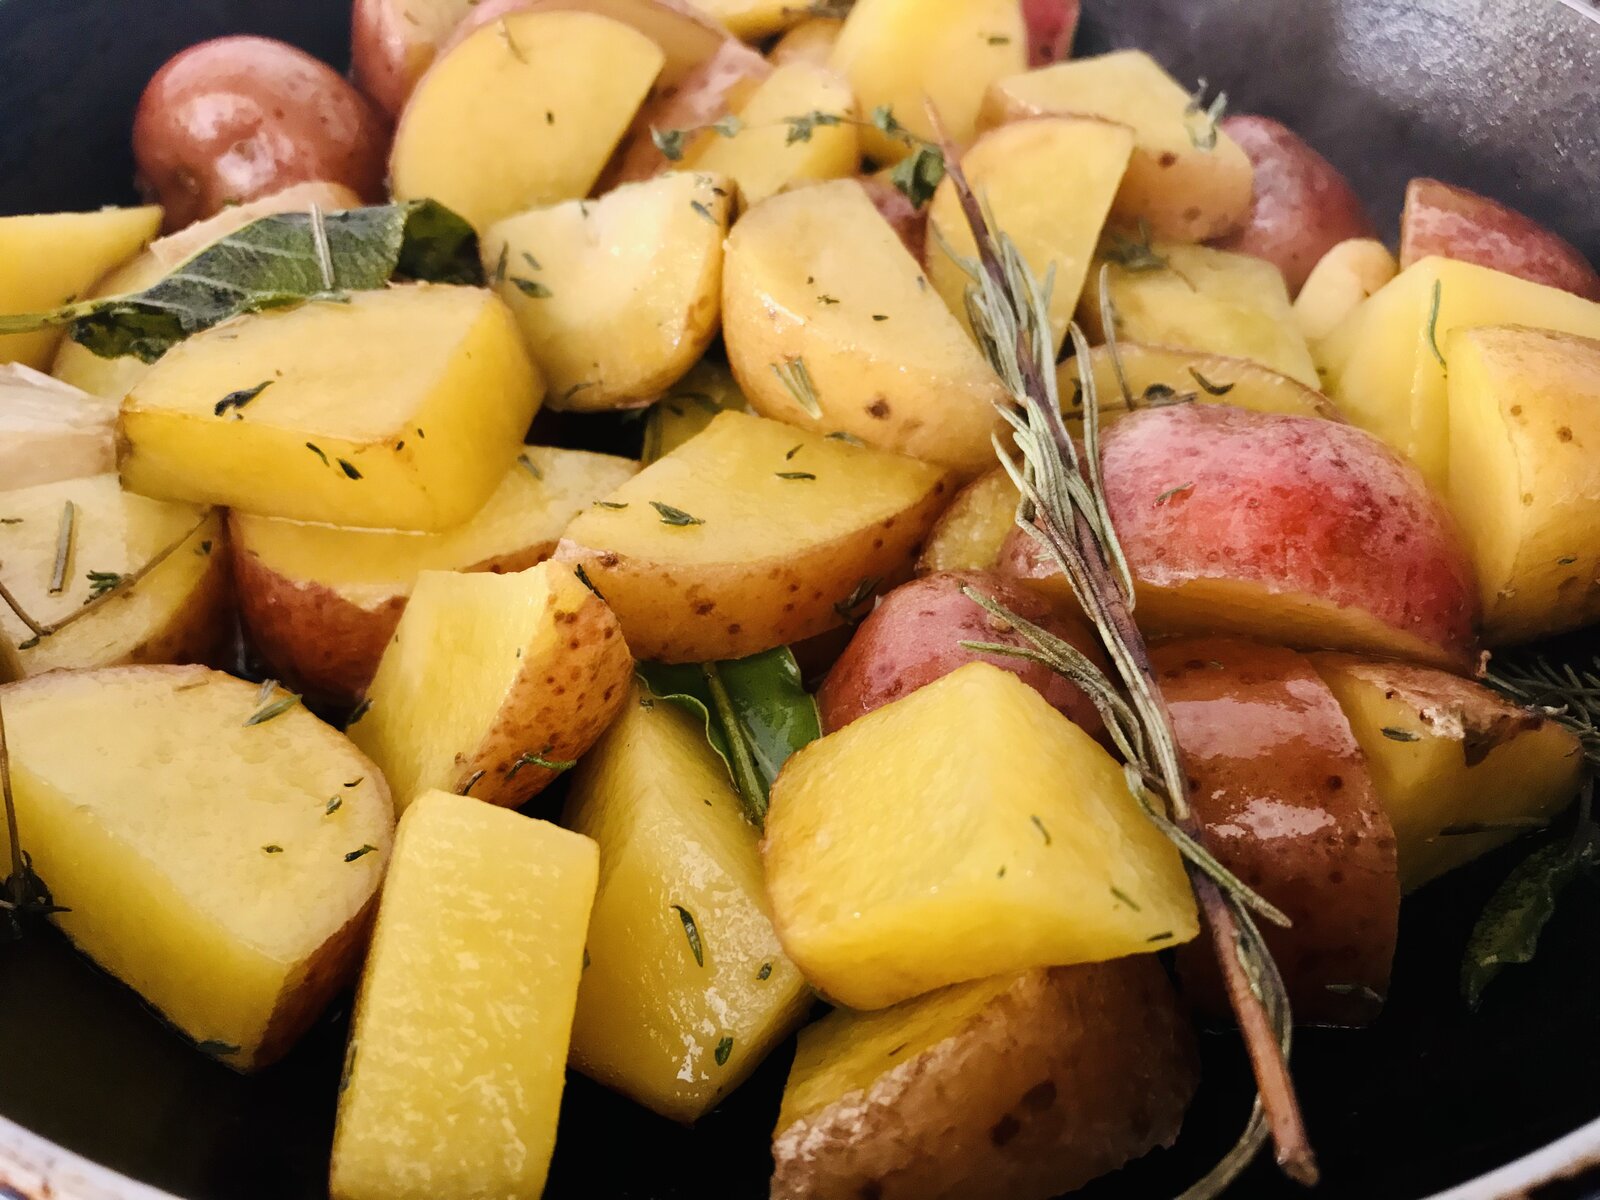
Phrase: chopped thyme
(10,520)
(1126,899)
(796,378)
(272,848)
(531,287)
(792,451)
(1164,936)
(1433,322)
(1039,825)
(530,759)
(583,578)
(846,608)
(998,39)
(1170,493)
(204,548)
(471,782)
(356,782)
(802,127)
(839,435)
(704,211)
(1133,254)
(674,516)
(827,299)
(334,804)
(361,853)
(723,1051)
(613,505)
(498,275)
(101,582)
(795,475)
(880,316)
(270,709)
(692,932)
(765,973)
(1211,389)
(1399,735)
(348,468)
(317,450)
(527,465)
(237,400)
(1203,131)
(356,714)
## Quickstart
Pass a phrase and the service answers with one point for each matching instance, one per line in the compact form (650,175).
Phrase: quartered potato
(1157,374)
(618,297)
(218,847)
(1343,277)
(689,407)
(811,41)
(970,533)
(50,430)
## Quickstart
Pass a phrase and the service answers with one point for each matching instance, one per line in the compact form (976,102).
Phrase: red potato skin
(1451,222)
(914,637)
(1285,801)
(1303,206)
(1051,26)
(909,222)
(388,54)
(236,118)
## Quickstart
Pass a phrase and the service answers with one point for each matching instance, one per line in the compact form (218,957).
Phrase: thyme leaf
(691,931)
(794,376)
(674,516)
(237,400)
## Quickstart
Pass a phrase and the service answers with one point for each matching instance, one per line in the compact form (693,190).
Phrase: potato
(1285,528)
(394,409)
(1183,183)
(1456,766)
(910,223)
(493,684)
(453,1077)
(1025,1086)
(1052,24)
(236,118)
(1209,300)
(909,55)
(1049,184)
(1282,791)
(830,325)
(969,534)
(616,298)
(1154,373)
(180,612)
(675,1025)
(749,536)
(515,116)
(1303,206)
(51,430)
(965,831)
(53,258)
(914,637)
(1441,219)
(1524,481)
(1343,277)
(192,845)
(686,410)
(320,603)
(811,41)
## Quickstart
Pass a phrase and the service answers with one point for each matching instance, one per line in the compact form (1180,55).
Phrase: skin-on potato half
(970,533)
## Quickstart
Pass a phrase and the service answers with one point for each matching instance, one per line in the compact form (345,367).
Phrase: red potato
(1451,222)
(914,636)
(1282,791)
(1292,529)
(1302,206)
(1051,26)
(240,117)
(908,221)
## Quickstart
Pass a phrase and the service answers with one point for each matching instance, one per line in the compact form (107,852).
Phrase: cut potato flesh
(753,20)
(1343,277)
(811,41)
(1156,373)
(965,831)
(831,326)
(51,430)
(179,612)
(674,1024)
(191,845)
(973,529)
(751,535)
(618,297)
(518,115)
(709,388)
(458,1052)
(395,409)
(491,682)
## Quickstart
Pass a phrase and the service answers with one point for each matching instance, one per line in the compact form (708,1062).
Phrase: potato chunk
(491,683)
(223,870)
(970,533)
(398,409)
(616,297)
(1153,372)
(1025,1086)
(675,1024)
(1343,277)
(50,430)
(751,535)
(179,612)
(831,326)
(964,831)
(458,1052)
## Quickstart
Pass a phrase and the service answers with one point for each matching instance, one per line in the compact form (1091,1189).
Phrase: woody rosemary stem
(19,882)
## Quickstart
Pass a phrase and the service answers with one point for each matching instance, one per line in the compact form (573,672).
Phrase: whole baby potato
(235,118)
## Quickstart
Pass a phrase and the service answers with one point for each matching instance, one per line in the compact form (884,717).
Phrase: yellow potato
(811,41)
(969,534)
(50,430)
(674,1027)
(617,297)
(493,684)
(1026,1086)
(1049,184)
(517,115)
(457,1055)
(964,831)
(1188,181)
(180,612)
(753,20)
(223,870)
(321,602)
(909,54)
(830,325)
(751,535)
(1156,372)
(399,408)
(1455,766)
(1380,366)
(51,259)
(688,408)
(1343,277)
(764,157)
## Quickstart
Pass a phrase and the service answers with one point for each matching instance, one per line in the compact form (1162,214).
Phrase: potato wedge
(965,831)
(191,844)
(672,1024)
(1187,180)
(50,430)
(1456,766)
(751,535)
(617,298)
(811,41)
(400,408)
(1049,184)
(1026,1086)
(320,603)
(709,388)
(969,534)
(831,326)
(1155,373)
(753,20)
(453,1078)
(1343,277)
(180,612)
(517,116)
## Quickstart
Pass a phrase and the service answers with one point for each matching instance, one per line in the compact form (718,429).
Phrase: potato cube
(396,409)
(458,1051)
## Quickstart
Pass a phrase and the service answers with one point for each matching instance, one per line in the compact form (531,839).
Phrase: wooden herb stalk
(23,894)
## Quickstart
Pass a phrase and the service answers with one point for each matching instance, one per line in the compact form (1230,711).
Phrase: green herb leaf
(847,607)
(348,468)
(1211,389)
(723,1051)
(1133,254)
(1170,493)
(919,173)
(1395,734)
(101,582)
(266,708)
(802,127)
(335,803)
(361,853)
(794,376)
(692,932)
(216,1049)
(1433,322)
(531,287)
(1202,118)
(237,400)
(674,516)
(272,848)
(530,759)
(795,475)
(765,973)
(669,142)
(527,464)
